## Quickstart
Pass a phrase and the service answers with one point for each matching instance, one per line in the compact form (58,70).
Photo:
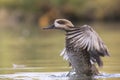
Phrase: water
(28,53)
(54,76)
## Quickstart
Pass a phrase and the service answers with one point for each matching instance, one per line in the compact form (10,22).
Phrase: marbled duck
(83,47)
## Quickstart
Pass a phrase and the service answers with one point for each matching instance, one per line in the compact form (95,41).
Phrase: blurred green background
(23,42)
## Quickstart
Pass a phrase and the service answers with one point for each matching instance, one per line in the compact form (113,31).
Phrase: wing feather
(94,45)
(64,54)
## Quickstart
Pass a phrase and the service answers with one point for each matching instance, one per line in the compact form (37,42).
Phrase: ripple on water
(48,76)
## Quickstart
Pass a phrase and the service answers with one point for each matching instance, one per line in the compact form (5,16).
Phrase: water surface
(29,53)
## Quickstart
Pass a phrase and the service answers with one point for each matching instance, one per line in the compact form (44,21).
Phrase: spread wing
(91,41)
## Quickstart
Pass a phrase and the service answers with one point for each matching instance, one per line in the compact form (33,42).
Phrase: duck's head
(62,24)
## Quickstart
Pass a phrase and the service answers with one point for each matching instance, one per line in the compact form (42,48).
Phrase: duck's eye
(61,22)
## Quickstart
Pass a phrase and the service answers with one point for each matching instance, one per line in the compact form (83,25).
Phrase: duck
(83,47)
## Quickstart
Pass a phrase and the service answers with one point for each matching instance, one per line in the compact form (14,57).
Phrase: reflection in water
(81,78)
(73,76)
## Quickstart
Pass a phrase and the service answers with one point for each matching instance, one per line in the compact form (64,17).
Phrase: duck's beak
(50,27)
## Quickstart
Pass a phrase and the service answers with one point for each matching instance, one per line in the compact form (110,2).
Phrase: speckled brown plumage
(83,47)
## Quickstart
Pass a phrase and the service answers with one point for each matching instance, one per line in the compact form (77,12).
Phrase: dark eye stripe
(61,22)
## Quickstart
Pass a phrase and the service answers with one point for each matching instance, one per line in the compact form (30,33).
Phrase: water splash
(106,75)
(49,76)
